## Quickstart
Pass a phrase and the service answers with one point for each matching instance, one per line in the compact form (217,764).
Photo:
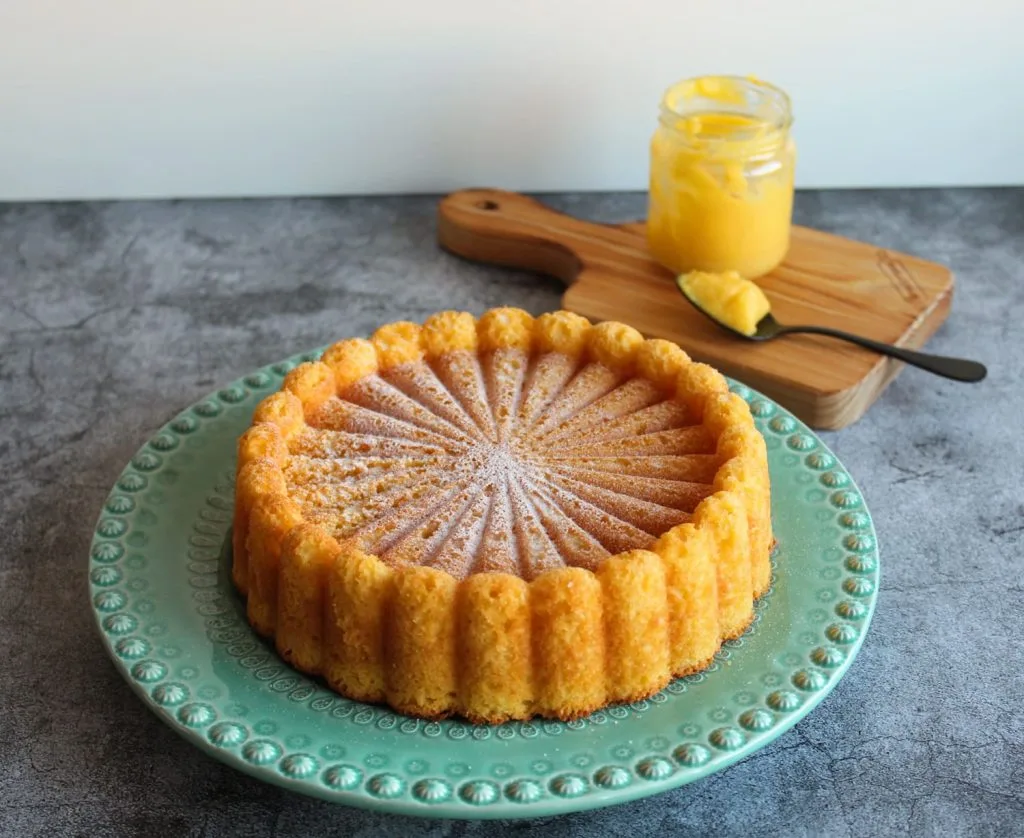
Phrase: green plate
(176,630)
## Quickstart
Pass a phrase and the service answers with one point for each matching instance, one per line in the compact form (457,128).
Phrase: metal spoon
(768,328)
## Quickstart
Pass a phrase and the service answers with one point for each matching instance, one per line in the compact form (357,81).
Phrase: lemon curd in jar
(721,177)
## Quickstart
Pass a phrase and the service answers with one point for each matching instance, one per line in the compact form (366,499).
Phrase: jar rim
(772,101)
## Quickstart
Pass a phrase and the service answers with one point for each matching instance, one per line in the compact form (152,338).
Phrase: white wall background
(137,98)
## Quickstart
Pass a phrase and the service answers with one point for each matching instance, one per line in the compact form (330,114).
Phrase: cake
(501,518)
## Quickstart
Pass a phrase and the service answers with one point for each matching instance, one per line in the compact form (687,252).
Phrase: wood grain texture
(825,279)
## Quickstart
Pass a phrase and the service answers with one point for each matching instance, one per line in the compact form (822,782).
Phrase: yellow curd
(721,177)
(728,297)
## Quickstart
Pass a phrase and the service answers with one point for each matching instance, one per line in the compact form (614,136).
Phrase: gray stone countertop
(113,317)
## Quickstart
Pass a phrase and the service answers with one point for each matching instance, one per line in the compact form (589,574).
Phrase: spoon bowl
(768,328)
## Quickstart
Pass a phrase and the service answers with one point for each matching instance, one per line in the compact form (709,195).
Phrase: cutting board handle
(506,228)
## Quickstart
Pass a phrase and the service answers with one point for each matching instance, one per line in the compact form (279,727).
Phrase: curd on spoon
(729,298)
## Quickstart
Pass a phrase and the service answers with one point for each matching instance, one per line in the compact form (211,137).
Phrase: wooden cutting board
(826,280)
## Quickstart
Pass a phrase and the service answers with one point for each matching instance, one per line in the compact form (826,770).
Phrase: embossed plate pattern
(176,630)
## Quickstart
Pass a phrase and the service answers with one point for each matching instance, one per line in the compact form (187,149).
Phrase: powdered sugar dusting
(588,385)
(340,415)
(665,415)
(331,445)
(545,380)
(652,518)
(676,494)
(625,400)
(693,440)
(537,552)
(610,529)
(459,550)
(504,370)
(420,383)
(460,372)
(500,463)
(378,394)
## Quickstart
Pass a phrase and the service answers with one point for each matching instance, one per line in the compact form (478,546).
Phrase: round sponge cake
(501,518)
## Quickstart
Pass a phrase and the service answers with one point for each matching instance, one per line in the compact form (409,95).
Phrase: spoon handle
(959,369)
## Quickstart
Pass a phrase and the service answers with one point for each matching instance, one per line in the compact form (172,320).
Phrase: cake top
(507,444)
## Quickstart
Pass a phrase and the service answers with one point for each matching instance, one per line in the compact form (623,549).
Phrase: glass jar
(721,177)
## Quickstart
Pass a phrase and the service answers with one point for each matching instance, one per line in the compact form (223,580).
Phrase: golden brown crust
(615,345)
(692,587)
(312,383)
(283,409)
(307,555)
(698,382)
(271,518)
(449,331)
(662,362)
(262,440)
(724,516)
(505,328)
(256,477)
(420,673)
(494,647)
(359,590)
(636,632)
(568,642)
(561,331)
(723,411)
(693,668)
(397,343)
(350,360)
